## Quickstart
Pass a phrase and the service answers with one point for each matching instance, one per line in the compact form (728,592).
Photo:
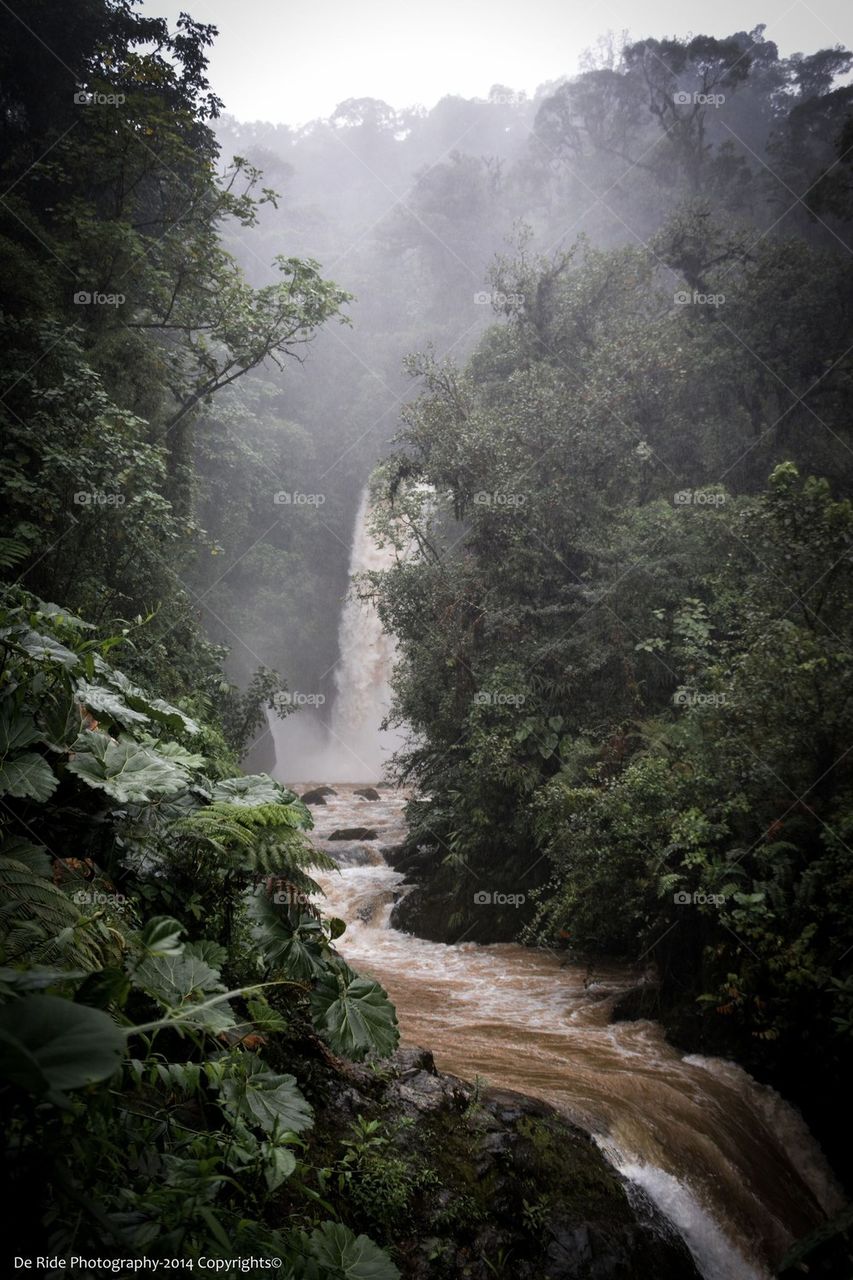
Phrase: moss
(473,1183)
(581,1182)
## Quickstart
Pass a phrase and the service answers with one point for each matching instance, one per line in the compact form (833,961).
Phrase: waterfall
(362,676)
(349,746)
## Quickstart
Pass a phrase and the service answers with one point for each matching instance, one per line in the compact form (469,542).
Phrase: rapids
(728,1161)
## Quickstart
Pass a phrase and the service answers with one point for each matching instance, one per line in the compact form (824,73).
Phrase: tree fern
(266,839)
(215,825)
(40,924)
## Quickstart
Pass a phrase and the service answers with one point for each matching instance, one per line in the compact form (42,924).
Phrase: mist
(426,600)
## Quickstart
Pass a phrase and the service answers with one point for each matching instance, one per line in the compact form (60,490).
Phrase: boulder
(493,1174)
(317,795)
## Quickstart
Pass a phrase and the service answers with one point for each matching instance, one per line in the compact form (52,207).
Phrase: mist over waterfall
(349,744)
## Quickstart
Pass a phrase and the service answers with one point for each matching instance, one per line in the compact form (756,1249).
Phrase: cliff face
(485,1183)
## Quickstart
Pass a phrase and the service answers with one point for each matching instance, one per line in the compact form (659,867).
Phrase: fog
(427,615)
(275,62)
(411,209)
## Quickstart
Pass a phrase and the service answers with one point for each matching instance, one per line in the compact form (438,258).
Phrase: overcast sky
(293,60)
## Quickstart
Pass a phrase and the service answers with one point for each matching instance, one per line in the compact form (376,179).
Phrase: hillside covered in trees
(591,349)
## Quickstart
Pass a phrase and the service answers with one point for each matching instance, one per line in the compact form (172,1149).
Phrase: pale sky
(290,61)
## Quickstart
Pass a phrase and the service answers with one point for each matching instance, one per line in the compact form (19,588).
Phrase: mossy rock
(477,1183)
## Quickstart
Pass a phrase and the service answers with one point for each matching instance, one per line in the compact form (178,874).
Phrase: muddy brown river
(728,1161)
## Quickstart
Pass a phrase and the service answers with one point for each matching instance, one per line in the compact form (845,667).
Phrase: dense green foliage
(622,600)
(165,969)
(623,597)
(161,962)
(123,318)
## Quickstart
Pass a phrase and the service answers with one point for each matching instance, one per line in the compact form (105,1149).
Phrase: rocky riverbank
(440,906)
(461,1181)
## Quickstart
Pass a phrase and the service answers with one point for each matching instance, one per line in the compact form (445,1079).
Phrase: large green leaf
(280,1163)
(254,789)
(253,1093)
(354,1014)
(161,935)
(33,856)
(178,754)
(299,949)
(37,977)
(345,1256)
(179,983)
(28,776)
(61,616)
(299,956)
(41,647)
(17,729)
(50,1044)
(174,719)
(124,770)
(211,952)
(98,697)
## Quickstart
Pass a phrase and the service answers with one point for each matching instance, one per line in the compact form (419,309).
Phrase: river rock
(435,909)
(637,1004)
(494,1183)
(368,793)
(411,1058)
(358,855)
(826,1251)
(317,795)
(353,833)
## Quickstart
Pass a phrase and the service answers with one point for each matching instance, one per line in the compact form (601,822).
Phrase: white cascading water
(351,746)
(362,676)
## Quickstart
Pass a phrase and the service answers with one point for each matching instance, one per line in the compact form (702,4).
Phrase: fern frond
(298,852)
(266,839)
(297,880)
(215,825)
(259,815)
(12,552)
(39,924)
(288,857)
